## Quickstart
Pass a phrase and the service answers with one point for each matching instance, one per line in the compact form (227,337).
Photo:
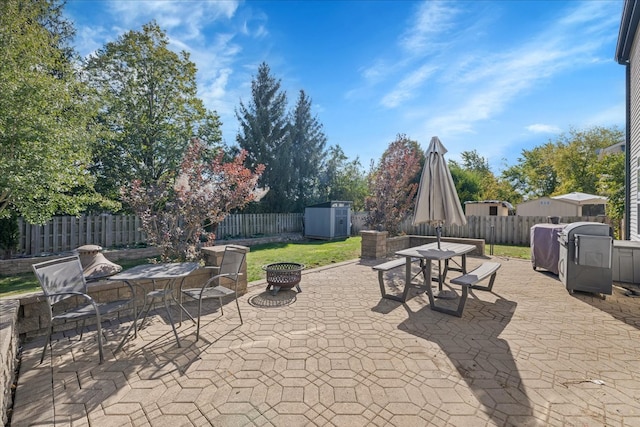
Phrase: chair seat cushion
(215,292)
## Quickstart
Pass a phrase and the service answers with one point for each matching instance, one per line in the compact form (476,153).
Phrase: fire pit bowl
(283,275)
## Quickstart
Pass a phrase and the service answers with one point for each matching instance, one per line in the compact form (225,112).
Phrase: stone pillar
(213,257)
(374,244)
(94,263)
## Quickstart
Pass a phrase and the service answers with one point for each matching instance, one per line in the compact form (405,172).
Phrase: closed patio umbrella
(437,202)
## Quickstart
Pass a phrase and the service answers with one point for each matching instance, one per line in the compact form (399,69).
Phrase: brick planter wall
(374,244)
(377,244)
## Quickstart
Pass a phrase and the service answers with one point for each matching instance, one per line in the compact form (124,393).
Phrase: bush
(9,235)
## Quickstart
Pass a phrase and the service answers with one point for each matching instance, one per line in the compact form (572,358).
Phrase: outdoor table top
(432,252)
(157,271)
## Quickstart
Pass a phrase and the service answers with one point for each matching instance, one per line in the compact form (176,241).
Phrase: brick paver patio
(528,354)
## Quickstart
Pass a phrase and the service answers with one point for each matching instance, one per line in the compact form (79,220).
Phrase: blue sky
(495,76)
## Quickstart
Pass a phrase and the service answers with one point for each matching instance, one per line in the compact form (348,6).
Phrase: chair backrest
(232,260)
(60,275)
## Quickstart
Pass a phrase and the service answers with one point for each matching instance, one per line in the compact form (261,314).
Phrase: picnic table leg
(407,278)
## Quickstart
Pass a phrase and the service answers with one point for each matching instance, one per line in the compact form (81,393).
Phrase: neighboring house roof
(618,147)
(628,27)
(494,202)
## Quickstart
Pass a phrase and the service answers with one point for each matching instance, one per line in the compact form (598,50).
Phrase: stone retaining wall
(10,267)
(9,345)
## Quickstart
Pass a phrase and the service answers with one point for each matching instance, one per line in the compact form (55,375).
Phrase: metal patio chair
(65,289)
(228,272)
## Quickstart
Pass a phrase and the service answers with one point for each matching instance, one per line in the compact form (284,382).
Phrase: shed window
(493,211)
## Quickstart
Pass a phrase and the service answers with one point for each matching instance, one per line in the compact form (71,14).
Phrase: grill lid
(586,228)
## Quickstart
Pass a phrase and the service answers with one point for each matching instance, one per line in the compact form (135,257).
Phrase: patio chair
(65,290)
(228,272)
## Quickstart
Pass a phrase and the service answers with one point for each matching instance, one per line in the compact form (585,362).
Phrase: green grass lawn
(310,253)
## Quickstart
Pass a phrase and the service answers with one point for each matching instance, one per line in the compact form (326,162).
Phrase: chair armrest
(73,293)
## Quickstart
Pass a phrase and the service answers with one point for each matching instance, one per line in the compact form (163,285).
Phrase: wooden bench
(468,280)
(387,266)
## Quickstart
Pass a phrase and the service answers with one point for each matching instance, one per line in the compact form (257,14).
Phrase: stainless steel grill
(585,257)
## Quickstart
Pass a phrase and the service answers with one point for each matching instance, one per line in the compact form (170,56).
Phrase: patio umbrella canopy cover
(582,198)
(437,202)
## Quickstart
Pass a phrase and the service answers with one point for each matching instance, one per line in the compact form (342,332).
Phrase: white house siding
(635,138)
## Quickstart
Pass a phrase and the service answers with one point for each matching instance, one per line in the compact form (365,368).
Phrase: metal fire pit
(283,275)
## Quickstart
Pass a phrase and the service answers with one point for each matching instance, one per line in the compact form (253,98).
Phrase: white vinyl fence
(65,233)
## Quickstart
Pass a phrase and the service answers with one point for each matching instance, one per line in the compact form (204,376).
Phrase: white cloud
(432,20)
(189,17)
(542,128)
(442,61)
(406,88)
(496,80)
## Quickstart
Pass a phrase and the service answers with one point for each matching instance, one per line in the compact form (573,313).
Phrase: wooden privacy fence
(503,230)
(65,233)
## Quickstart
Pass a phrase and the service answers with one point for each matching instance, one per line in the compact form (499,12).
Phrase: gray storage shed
(329,220)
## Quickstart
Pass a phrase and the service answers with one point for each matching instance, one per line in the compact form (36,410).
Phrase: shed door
(341,228)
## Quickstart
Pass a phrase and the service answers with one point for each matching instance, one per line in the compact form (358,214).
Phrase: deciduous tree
(611,183)
(535,174)
(176,209)
(577,163)
(475,181)
(393,185)
(342,179)
(149,109)
(569,163)
(44,115)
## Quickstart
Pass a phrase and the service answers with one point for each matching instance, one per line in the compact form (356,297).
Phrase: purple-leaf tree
(393,185)
(175,210)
